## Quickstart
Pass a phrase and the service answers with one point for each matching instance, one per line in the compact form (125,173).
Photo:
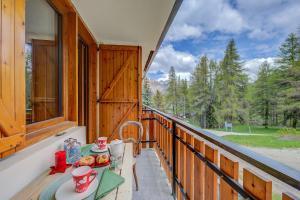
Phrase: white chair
(136,143)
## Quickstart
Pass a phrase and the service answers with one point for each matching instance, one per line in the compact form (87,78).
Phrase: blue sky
(203,27)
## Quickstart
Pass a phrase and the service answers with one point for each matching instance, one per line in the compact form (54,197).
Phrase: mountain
(158,85)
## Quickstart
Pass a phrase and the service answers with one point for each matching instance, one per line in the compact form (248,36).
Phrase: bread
(87,160)
(102,158)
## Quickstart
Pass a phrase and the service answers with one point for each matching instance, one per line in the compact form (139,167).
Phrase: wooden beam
(120,101)
(117,77)
(92,92)
(118,47)
(70,28)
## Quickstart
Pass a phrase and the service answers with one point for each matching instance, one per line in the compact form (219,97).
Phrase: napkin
(86,150)
(108,182)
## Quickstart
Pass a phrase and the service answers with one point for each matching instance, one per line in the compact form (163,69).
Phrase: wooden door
(45,74)
(120,88)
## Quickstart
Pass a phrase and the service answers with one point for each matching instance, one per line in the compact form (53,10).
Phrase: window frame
(38,131)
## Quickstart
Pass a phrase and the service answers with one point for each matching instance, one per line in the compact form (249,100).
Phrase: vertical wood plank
(12,73)
(19,63)
(257,186)
(151,133)
(199,172)
(210,177)
(231,169)
(146,128)
(183,160)
(189,168)
(179,166)
(92,115)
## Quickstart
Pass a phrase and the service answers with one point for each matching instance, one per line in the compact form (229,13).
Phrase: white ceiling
(131,22)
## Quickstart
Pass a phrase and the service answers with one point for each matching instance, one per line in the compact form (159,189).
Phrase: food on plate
(87,160)
(102,158)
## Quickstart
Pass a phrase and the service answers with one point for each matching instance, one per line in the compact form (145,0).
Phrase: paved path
(223,133)
(153,183)
(290,157)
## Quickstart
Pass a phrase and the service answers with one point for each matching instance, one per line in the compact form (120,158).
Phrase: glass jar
(74,152)
(72,148)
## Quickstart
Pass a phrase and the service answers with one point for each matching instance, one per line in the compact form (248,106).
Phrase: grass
(276,196)
(269,141)
(262,130)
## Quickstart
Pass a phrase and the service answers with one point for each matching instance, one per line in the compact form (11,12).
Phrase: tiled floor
(153,183)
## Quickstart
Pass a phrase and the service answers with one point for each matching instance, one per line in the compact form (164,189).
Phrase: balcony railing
(201,165)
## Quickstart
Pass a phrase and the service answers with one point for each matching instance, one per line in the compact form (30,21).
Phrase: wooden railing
(203,166)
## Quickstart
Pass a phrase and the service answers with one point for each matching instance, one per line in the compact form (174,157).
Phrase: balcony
(103,50)
(201,165)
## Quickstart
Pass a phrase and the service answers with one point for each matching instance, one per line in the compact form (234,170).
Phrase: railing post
(174,159)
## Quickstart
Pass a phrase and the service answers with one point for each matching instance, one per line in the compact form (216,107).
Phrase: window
(43,59)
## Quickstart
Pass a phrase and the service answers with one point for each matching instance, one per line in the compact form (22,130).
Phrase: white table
(123,192)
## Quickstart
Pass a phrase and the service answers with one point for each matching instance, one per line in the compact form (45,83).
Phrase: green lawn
(262,130)
(276,196)
(271,141)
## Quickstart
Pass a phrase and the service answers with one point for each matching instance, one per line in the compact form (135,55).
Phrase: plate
(95,164)
(97,150)
(67,191)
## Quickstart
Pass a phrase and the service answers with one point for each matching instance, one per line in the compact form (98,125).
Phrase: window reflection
(43,62)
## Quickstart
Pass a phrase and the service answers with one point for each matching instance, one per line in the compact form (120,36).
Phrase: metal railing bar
(185,195)
(148,141)
(148,118)
(278,170)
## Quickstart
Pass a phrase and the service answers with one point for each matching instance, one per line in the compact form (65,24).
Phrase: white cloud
(267,18)
(252,66)
(259,34)
(197,16)
(260,19)
(167,56)
(183,32)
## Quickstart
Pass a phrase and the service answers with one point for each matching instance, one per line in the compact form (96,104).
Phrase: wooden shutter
(120,88)
(12,75)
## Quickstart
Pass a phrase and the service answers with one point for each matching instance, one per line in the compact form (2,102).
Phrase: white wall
(23,167)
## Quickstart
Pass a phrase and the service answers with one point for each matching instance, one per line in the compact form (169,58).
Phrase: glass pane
(42,58)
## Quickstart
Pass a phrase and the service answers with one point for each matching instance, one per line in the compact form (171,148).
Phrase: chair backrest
(132,123)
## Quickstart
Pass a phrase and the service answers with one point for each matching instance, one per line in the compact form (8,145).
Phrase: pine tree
(263,93)
(200,91)
(147,94)
(232,83)
(158,101)
(288,79)
(183,101)
(172,92)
